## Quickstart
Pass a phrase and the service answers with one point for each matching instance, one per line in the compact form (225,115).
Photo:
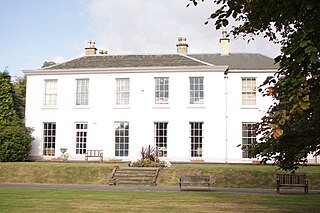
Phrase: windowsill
(82,107)
(196,106)
(121,107)
(161,106)
(49,107)
(249,107)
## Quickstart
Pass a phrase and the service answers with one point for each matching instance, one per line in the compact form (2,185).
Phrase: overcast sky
(34,31)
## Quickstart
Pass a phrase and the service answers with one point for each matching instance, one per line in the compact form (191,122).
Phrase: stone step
(136,175)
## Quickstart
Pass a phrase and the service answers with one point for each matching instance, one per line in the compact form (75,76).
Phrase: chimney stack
(182,46)
(224,43)
(91,49)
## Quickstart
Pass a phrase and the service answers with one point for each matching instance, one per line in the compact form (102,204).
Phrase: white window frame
(161,94)
(50,92)
(49,138)
(249,96)
(122,91)
(196,139)
(161,138)
(248,137)
(196,90)
(82,92)
(121,139)
(81,137)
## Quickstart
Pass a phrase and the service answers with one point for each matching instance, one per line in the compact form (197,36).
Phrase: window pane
(196,137)
(50,97)
(122,91)
(49,139)
(161,90)
(121,138)
(248,138)
(81,137)
(82,91)
(196,90)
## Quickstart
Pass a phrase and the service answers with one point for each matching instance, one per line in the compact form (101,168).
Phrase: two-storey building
(192,107)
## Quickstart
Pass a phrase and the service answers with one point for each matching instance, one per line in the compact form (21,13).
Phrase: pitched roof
(239,61)
(118,61)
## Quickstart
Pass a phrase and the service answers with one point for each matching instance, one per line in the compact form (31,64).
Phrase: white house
(192,107)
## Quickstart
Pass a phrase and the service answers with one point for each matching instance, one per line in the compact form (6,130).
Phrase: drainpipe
(226,111)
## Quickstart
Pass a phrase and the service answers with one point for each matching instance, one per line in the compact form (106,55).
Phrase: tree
(19,86)
(48,64)
(8,108)
(290,129)
(15,138)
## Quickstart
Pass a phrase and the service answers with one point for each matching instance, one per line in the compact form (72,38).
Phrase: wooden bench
(195,181)
(292,180)
(94,153)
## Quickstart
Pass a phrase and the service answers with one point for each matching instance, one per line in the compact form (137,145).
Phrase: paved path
(159,188)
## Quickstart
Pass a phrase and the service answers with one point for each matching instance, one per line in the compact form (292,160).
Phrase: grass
(224,175)
(59,200)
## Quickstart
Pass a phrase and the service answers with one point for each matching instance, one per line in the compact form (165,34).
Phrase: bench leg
(278,189)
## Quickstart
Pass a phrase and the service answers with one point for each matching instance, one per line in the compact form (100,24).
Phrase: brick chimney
(224,43)
(182,46)
(91,49)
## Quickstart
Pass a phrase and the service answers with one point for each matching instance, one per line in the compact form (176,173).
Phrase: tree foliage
(48,64)
(290,128)
(19,86)
(15,138)
(8,107)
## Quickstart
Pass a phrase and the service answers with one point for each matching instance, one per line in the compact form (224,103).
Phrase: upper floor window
(50,93)
(82,92)
(248,138)
(122,91)
(248,91)
(196,90)
(161,90)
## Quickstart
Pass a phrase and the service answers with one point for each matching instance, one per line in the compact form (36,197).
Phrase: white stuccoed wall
(142,113)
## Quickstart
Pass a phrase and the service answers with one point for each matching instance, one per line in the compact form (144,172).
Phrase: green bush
(15,142)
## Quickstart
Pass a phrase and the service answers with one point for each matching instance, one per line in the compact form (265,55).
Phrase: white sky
(34,31)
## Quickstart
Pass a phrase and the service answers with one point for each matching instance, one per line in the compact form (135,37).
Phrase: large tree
(15,138)
(290,129)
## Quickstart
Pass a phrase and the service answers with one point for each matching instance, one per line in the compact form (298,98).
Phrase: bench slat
(94,153)
(194,180)
(292,180)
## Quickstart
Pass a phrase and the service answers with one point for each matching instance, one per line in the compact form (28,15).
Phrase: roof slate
(118,61)
(239,61)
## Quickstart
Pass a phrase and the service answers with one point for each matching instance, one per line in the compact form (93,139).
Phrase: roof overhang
(179,69)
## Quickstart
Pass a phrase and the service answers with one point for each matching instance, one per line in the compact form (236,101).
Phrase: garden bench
(292,180)
(195,180)
(94,153)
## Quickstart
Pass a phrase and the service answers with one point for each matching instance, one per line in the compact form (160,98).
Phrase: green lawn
(60,200)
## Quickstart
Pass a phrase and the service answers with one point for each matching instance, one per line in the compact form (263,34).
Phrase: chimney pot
(182,46)
(91,49)
(224,43)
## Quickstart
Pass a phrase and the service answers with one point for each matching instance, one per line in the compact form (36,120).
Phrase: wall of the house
(222,114)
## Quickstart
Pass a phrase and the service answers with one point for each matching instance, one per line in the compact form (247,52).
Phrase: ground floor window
(248,138)
(49,138)
(121,134)
(160,138)
(196,138)
(81,137)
